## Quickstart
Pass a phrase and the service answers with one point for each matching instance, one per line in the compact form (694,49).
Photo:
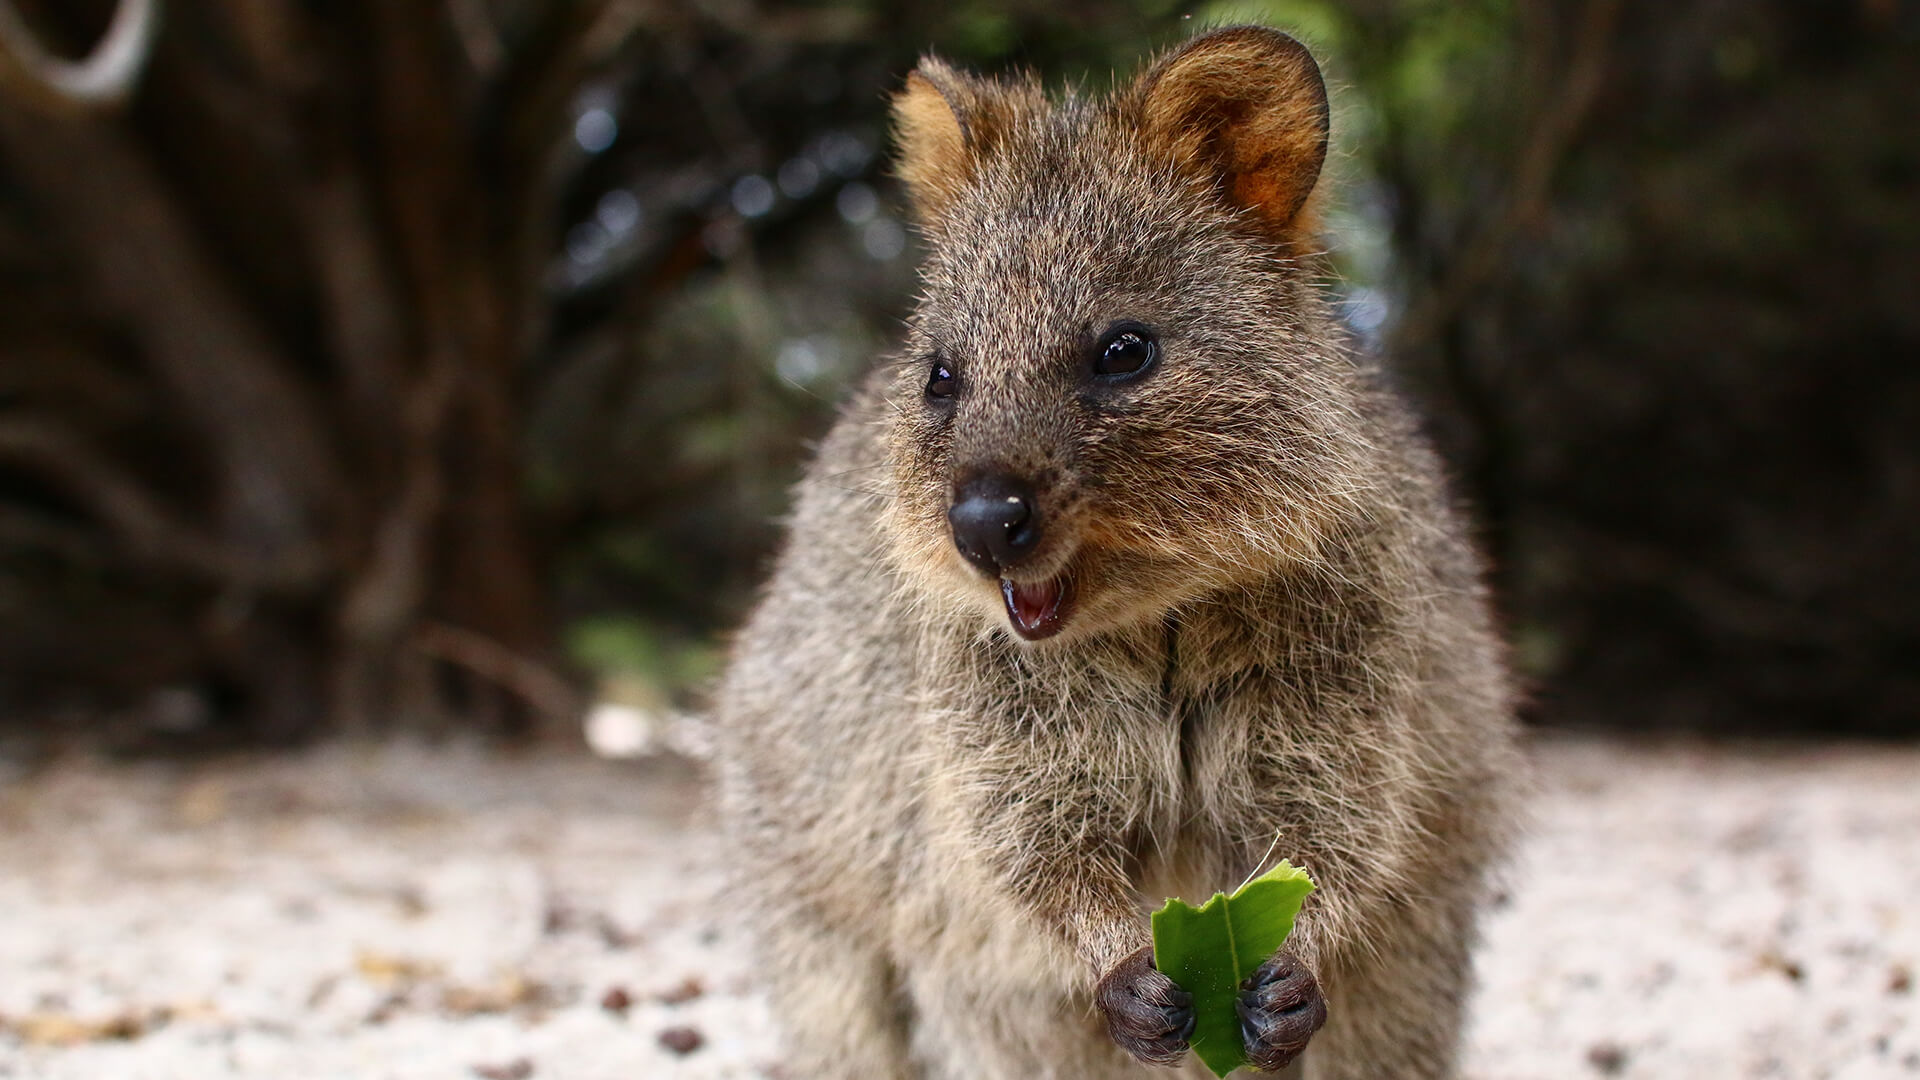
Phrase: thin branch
(479,37)
(387,591)
(522,676)
(104,78)
(1539,158)
(127,231)
(534,92)
(146,528)
(20,529)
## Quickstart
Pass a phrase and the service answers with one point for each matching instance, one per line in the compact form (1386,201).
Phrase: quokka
(1122,574)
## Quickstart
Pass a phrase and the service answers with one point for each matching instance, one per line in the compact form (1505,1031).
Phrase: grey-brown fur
(1278,641)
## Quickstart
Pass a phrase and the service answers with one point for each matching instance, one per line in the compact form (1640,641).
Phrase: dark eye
(940,383)
(1127,349)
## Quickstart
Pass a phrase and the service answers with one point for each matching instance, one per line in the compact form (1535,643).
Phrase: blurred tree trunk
(267,354)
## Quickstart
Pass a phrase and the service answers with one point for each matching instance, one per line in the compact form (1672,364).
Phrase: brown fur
(1278,629)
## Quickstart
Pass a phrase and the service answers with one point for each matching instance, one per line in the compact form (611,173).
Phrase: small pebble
(682,1040)
(1607,1058)
(689,989)
(616,1000)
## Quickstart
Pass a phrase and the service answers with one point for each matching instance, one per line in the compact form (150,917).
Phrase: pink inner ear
(1279,179)
(1272,152)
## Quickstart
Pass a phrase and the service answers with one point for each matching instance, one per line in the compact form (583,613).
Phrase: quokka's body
(1122,576)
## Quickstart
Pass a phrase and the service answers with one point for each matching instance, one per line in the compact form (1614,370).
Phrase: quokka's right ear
(1247,107)
(946,122)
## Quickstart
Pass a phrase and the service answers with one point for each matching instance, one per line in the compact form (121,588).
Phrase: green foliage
(630,647)
(1208,950)
(1322,26)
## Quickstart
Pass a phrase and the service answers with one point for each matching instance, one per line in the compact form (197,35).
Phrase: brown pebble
(1901,980)
(682,1040)
(1608,1058)
(517,1069)
(1777,961)
(689,989)
(616,1000)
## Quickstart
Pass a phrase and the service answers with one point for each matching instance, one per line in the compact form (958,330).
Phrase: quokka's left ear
(1245,106)
(945,122)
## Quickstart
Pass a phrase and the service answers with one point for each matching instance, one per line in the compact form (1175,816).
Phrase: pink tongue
(1034,609)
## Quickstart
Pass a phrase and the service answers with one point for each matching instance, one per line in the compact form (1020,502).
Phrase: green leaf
(1209,949)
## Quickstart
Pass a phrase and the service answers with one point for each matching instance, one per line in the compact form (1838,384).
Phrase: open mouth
(1038,609)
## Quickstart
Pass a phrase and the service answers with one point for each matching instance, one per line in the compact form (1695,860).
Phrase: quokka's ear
(945,121)
(1245,105)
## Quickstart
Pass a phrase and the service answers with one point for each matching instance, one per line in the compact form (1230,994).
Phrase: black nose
(994,521)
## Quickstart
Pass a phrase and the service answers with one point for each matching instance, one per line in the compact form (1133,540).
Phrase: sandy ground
(1680,911)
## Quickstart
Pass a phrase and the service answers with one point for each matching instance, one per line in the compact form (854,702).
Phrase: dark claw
(1280,1008)
(1147,1015)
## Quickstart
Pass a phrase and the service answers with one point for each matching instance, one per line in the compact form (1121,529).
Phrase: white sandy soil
(1679,911)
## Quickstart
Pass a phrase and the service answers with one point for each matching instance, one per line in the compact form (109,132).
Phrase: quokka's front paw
(1280,1008)
(1149,1016)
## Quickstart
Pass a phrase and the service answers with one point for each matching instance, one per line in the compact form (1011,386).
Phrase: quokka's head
(1120,391)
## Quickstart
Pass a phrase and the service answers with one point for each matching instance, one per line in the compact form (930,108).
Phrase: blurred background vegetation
(443,364)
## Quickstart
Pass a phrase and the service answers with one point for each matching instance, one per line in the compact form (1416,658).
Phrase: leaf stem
(1258,867)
